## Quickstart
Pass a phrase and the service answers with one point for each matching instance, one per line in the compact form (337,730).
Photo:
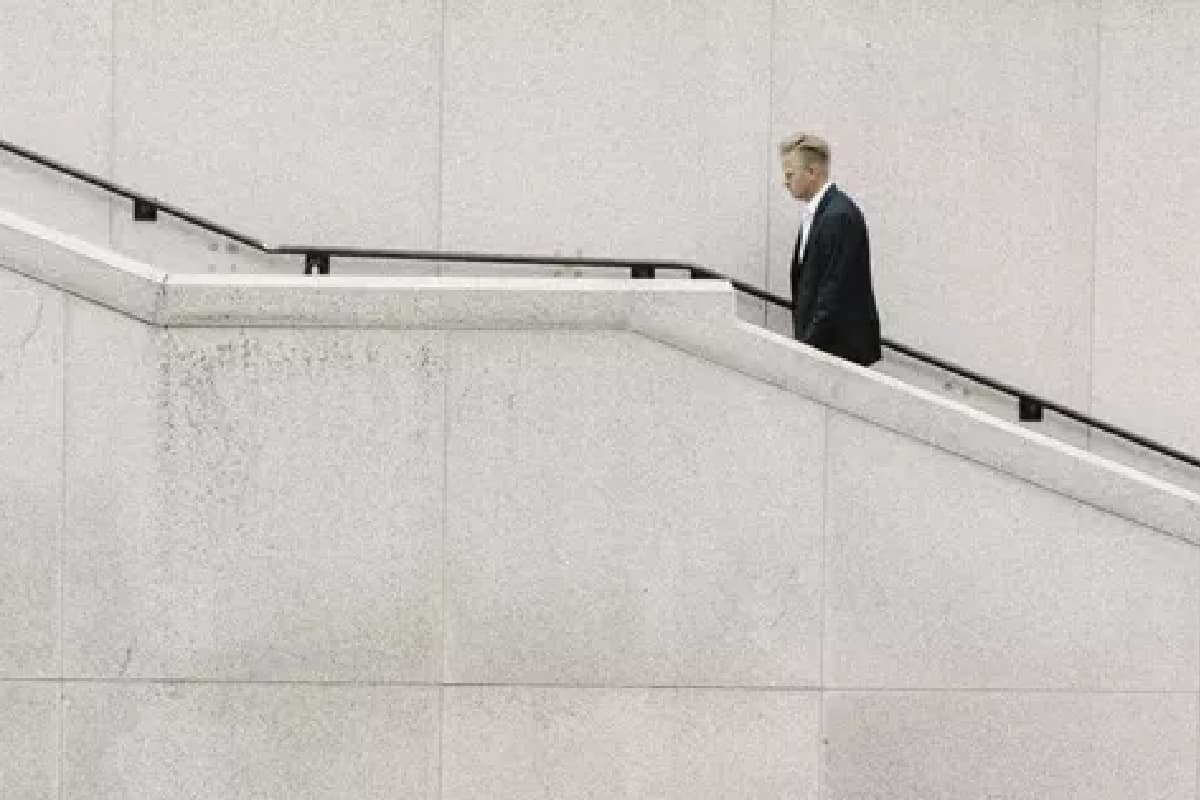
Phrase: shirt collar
(810,209)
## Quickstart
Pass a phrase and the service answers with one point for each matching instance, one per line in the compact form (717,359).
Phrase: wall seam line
(159,681)
(441,140)
(446,369)
(767,188)
(112,117)
(62,538)
(441,750)
(62,691)
(1096,110)
(825,517)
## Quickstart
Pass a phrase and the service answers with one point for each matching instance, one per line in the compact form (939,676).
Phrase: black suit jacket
(831,283)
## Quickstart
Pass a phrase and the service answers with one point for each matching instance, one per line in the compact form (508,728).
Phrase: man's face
(799,180)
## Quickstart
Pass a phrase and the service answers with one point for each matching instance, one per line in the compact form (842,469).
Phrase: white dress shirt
(810,211)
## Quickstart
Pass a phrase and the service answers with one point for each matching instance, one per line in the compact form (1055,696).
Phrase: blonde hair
(813,150)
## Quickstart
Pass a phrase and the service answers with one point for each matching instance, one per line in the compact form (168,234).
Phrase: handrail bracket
(144,211)
(317,263)
(1029,409)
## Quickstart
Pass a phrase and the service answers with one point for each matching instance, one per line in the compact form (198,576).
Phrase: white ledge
(80,268)
(428,302)
(697,317)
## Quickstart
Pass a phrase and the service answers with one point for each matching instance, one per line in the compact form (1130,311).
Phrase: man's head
(805,164)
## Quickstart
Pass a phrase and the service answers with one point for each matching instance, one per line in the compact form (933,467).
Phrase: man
(834,305)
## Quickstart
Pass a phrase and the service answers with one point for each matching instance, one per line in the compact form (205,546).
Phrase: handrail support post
(317,263)
(144,211)
(1029,409)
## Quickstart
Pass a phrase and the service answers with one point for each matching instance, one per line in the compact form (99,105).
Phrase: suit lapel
(816,221)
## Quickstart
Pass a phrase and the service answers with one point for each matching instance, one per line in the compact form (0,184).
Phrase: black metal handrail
(317,260)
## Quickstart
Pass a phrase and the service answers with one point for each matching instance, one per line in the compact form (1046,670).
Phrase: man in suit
(834,304)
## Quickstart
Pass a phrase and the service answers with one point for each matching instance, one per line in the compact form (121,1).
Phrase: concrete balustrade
(462,538)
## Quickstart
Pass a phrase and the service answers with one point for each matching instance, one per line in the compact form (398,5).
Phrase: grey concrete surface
(317,122)
(628,744)
(238,742)
(296,526)
(29,740)
(57,82)
(618,513)
(31,477)
(1148,221)
(444,537)
(1009,745)
(944,573)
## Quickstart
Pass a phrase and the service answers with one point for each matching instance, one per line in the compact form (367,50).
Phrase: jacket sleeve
(844,253)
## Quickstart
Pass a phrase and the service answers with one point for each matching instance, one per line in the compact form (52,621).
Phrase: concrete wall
(1027,167)
(451,539)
